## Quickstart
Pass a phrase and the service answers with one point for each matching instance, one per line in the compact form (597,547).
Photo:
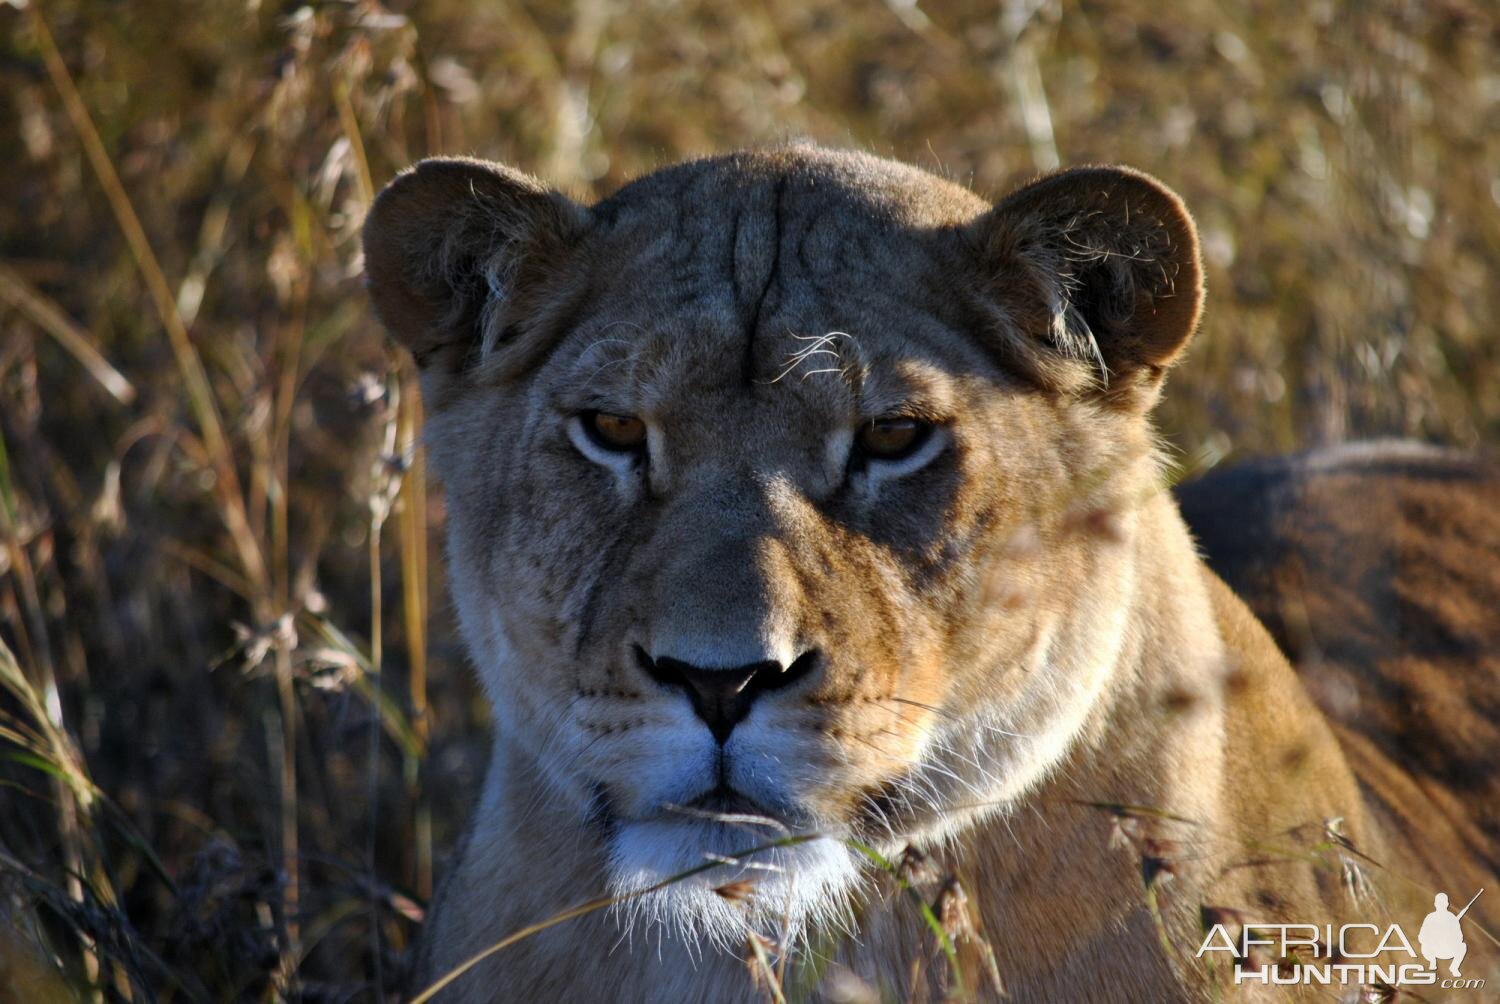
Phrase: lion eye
(892,438)
(620,433)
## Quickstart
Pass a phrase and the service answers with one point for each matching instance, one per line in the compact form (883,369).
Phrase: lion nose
(722,697)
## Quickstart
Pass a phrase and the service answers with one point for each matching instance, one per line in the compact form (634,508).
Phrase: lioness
(804,492)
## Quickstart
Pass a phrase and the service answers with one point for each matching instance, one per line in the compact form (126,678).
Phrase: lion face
(773,482)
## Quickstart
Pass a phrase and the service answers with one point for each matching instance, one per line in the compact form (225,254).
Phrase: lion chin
(778,892)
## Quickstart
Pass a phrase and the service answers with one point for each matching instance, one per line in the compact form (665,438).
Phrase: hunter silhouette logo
(1311,954)
(1441,936)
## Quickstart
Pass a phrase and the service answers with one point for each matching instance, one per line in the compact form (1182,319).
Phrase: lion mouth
(723,801)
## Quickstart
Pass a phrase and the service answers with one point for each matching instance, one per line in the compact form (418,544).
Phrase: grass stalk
(200,394)
(290,836)
(600,903)
(73,792)
(412,528)
(385,486)
(77,342)
(929,917)
(764,971)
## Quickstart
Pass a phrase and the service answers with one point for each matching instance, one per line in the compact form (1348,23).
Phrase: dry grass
(226,764)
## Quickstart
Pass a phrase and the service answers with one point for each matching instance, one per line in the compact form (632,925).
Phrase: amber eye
(620,433)
(892,438)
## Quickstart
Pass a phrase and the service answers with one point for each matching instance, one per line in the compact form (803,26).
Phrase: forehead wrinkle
(749,256)
(732,274)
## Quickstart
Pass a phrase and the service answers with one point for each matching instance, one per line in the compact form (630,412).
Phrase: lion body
(1014,665)
(1376,568)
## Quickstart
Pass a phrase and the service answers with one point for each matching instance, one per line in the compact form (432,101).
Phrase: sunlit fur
(1012,629)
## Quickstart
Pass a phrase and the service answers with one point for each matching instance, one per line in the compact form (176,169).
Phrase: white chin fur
(794,886)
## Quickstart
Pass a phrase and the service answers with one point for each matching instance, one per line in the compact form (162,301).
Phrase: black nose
(722,697)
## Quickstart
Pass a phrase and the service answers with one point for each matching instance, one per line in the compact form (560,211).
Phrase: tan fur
(1376,567)
(1010,639)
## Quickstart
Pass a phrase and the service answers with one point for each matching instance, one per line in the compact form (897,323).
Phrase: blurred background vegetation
(236,732)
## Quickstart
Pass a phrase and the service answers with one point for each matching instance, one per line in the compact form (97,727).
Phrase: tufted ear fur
(453,247)
(1095,276)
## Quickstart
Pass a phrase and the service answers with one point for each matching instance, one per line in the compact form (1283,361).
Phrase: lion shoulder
(1376,569)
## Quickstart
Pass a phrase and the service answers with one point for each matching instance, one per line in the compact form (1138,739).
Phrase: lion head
(790,491)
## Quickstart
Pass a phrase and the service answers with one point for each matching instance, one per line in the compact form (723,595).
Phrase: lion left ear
(1095,275)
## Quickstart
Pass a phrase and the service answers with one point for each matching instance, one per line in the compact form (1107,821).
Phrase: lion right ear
(455,246)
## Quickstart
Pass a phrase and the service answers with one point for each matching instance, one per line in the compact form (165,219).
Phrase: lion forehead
(810,236)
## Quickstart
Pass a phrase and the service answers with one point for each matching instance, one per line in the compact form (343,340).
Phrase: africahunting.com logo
(1353,954)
